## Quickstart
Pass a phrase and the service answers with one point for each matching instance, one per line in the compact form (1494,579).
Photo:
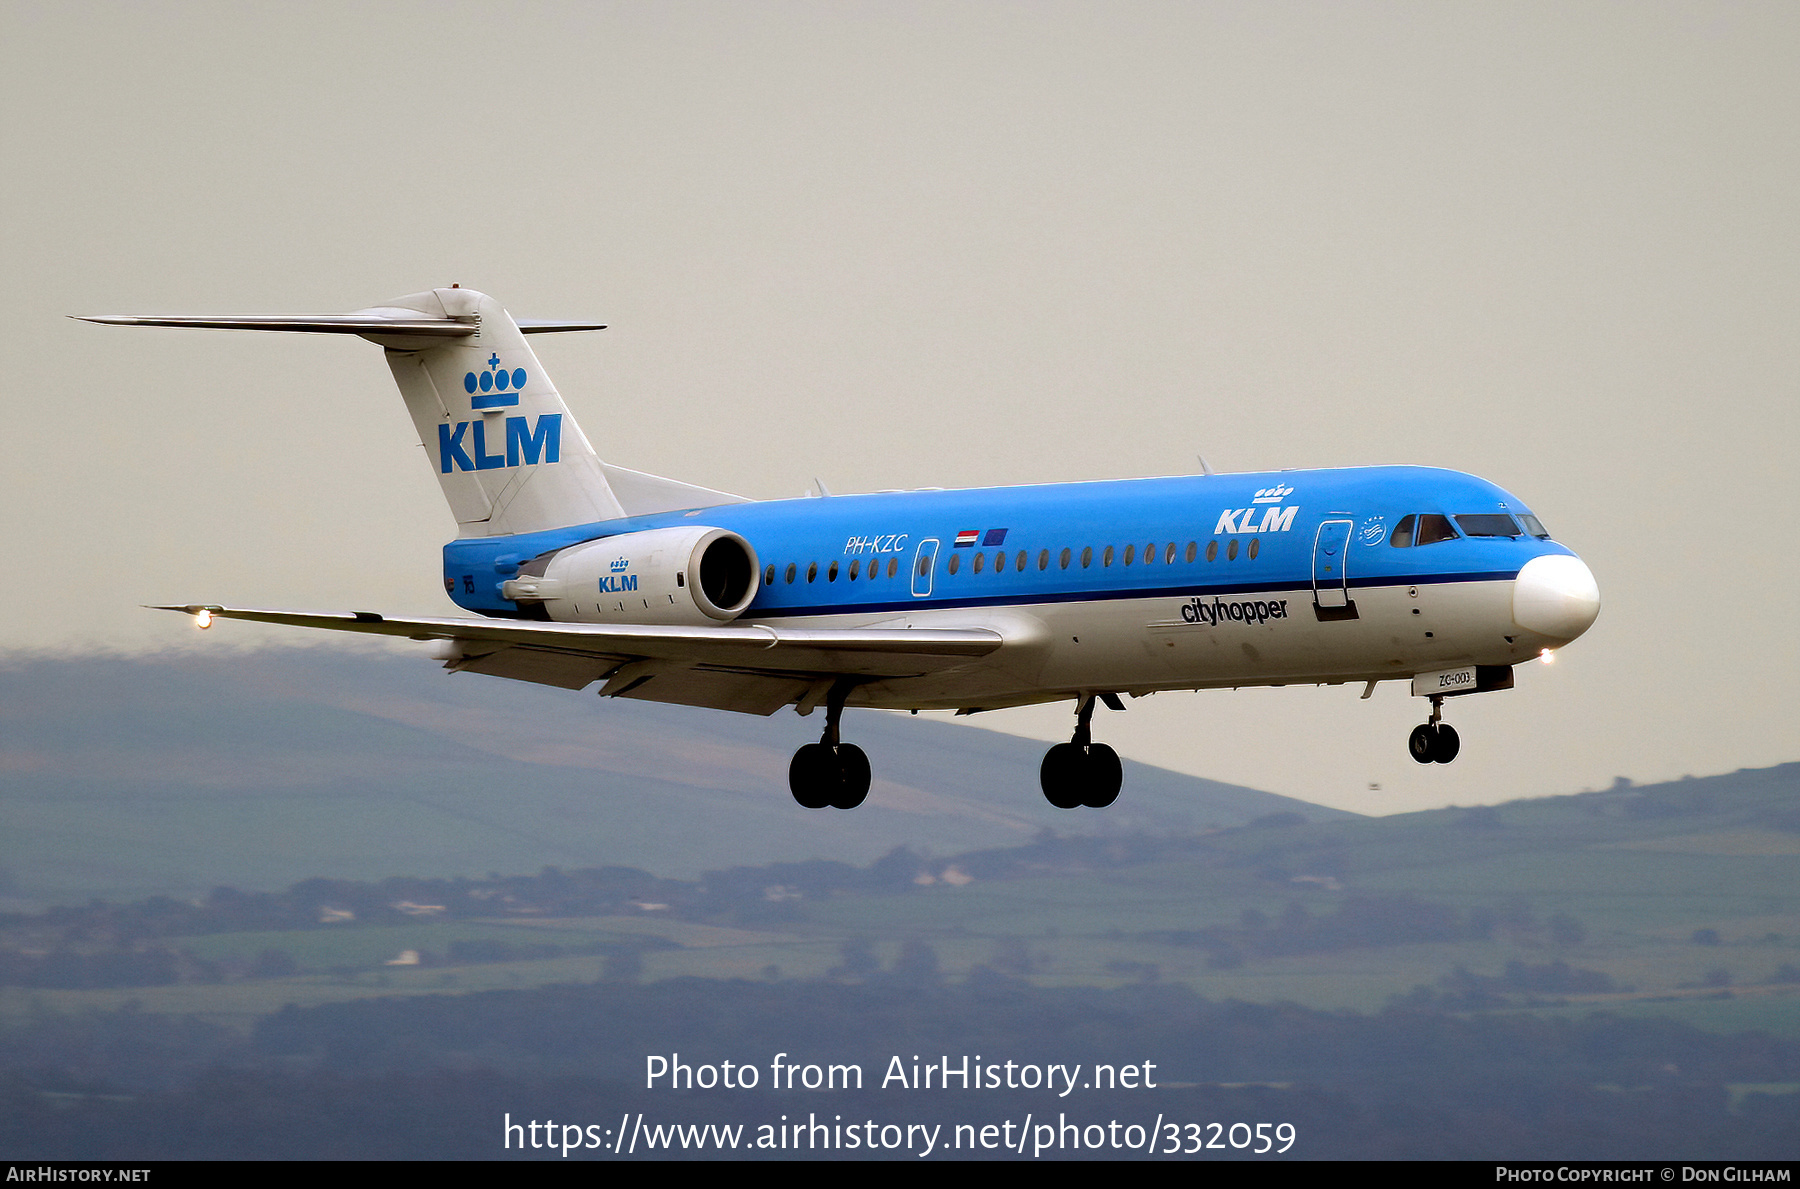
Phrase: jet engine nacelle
(687,575)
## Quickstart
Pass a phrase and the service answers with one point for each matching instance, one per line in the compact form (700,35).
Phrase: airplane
(584,572)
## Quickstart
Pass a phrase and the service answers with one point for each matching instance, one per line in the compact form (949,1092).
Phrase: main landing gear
(830,773)
(1082,772)
(1434,742)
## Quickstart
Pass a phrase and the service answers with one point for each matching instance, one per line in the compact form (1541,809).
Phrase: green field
(1617,883)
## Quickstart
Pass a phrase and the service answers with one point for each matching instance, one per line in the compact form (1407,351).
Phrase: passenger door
(1331,585)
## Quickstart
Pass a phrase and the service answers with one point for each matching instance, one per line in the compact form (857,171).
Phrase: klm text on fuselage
(1243,520)
(465,447)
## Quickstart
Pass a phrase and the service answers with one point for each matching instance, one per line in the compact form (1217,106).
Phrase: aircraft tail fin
(502,444)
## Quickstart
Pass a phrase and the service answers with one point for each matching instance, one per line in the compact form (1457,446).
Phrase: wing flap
(744,693)
(538,667)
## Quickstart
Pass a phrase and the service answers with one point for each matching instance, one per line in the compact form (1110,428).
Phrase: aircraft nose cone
(1556,596)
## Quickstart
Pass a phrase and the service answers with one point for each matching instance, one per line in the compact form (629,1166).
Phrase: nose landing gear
(829,772)
(1434,741)
(1082,772)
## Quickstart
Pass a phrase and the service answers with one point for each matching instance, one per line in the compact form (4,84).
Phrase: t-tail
(499,438)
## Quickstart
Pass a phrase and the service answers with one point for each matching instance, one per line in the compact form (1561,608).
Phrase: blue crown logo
(620,566)
(493,385)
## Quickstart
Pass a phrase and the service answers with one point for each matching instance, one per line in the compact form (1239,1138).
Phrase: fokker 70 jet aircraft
(584,572)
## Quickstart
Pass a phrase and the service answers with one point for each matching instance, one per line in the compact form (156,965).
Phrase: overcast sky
(902,245)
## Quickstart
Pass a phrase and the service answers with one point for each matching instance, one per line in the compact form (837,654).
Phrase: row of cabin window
(1022,560)
(831,573)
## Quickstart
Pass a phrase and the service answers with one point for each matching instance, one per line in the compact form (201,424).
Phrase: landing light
(203,618)
(1547,656)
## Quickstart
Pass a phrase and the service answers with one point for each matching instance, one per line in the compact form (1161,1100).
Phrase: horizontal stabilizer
(500,442)
(365,322)
(362,322)
(554,325)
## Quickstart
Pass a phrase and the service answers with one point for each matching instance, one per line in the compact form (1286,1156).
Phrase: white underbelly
(1260,638)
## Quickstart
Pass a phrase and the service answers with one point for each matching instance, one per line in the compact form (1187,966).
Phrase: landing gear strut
(1435,741)
(829,772)
(1082,772)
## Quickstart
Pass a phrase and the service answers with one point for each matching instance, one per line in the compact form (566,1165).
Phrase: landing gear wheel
(1448,743)
(1434,743)
(1421,743)
(829,772)
(1082,772)
(1104,776)
(812,776)
(821,776)
(853,776)
(1061,775)
(1073,776)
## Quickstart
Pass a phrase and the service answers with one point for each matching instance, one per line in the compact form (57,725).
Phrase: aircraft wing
(749,667)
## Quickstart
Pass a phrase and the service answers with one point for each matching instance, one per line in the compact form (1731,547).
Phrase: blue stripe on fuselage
(1075,516)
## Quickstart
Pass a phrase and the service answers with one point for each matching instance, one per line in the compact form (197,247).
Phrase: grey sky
(897,245)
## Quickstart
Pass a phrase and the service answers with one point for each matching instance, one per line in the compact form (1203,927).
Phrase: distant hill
(130,777)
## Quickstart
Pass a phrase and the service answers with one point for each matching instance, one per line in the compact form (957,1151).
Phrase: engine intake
(688,575)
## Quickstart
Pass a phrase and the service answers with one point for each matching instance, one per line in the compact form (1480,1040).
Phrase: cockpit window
(1434,528)
(1534,526)
(1422,528)
(1488,524)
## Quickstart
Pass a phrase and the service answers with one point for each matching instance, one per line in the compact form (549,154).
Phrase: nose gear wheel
(1434,742)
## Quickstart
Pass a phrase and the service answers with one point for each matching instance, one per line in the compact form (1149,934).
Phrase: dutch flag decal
(967,538)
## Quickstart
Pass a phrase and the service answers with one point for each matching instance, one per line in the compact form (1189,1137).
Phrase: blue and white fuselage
(970,600)
(1130,586)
